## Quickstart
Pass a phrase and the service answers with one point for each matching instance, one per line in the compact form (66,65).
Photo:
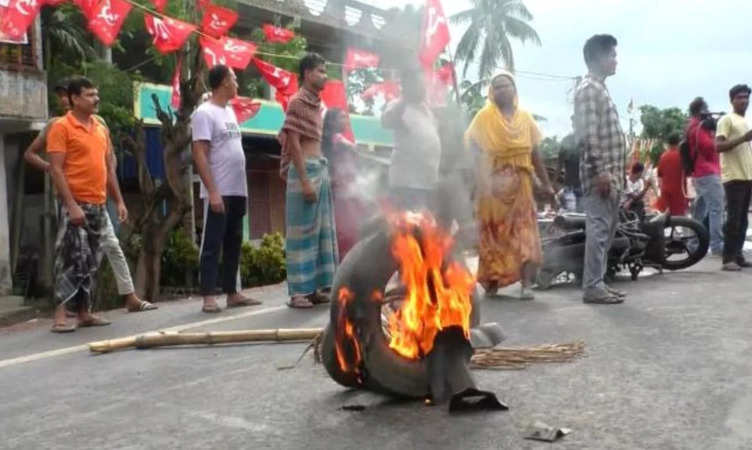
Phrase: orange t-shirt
(86,149)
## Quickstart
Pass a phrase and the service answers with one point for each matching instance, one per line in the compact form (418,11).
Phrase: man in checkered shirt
(602,153)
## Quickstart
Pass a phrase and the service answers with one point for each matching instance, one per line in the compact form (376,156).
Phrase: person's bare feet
(237,300)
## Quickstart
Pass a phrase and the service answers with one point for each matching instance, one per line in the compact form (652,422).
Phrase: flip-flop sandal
(95,322)
(300,302)
(244,302)
(211,309)
(62,328)
(143,306)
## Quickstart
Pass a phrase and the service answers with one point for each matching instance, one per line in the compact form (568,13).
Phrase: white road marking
(175,329)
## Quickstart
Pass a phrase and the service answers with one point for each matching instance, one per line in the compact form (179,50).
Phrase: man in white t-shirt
(414,170)
(220,162)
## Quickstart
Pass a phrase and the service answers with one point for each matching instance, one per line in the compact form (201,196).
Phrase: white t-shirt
(220,127)
(417,150)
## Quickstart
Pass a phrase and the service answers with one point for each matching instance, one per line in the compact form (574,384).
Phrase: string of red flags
(390,90)
(284,82)
(277,34)
(159,5)
(169,35)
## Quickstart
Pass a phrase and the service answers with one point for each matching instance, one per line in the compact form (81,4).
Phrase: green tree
(660,123)
(491,25)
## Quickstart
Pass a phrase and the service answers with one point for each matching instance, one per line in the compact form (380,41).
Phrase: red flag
(176,96)
(18,17)
(360,59)
(445,74)
(434,33)
(389,89)
(245,108)
(52,3)
(277,34)
(159,5)
(214,51)
(169,34)
(286,83)
(87,7)
(238,54)
(107,19)
(333,96)
(218,20)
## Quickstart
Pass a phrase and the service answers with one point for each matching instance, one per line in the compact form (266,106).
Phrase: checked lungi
(311,239)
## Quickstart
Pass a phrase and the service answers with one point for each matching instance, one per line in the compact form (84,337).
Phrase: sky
(669,52)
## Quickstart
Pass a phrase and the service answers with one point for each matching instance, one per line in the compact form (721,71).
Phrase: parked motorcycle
(658,241)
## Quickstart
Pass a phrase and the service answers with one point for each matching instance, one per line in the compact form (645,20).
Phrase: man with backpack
(701,160)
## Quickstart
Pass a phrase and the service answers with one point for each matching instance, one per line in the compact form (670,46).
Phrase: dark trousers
(738,195)
(222,232)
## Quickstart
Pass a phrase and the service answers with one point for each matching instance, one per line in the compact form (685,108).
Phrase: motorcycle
(657,241)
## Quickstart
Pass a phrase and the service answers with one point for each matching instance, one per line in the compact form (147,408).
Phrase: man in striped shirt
(600,139)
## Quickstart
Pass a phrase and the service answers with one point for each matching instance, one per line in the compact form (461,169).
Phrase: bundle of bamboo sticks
(510,358)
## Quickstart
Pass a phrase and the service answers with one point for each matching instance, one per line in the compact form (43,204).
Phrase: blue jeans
(709,204)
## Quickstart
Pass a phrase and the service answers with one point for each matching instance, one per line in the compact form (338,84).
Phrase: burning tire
(354,349)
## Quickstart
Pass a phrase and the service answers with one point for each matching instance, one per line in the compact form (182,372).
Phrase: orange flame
(437,297)
(349,361)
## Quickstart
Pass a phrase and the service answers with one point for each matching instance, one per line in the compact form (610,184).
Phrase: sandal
(143,305)
(300,302)
(62,328)
(244,301)
(94,322)
(211,309)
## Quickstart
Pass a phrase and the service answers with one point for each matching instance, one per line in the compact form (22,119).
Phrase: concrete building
(23,110)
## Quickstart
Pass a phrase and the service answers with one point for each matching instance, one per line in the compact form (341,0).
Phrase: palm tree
(492,24)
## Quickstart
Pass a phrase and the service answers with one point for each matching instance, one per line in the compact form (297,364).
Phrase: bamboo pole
(170,338)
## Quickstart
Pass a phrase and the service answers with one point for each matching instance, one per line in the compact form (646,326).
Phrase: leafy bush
(179,259)
(265,264)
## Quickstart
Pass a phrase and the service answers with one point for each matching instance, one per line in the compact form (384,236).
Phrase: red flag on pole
(217,20)
(277,34)
(169,34)
(286,83)
(107,18)
(176,96)
(245,108)
(360,59)
(159,5)
(213,50)
(238,54)
(434,33)
(18,17)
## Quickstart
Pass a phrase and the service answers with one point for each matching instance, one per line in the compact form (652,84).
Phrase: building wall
(6,283)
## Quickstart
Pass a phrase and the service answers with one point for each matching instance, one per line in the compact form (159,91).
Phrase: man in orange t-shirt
(78,148)
(673,185)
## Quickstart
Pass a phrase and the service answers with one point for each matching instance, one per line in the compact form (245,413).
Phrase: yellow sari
(505,207)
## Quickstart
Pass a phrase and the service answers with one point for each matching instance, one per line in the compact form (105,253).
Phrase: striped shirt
(598,134)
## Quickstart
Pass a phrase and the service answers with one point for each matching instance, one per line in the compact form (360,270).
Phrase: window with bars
(19,56)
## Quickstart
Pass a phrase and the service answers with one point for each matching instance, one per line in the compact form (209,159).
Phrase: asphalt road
(668,369)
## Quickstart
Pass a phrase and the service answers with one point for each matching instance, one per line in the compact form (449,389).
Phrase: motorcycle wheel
(686,242)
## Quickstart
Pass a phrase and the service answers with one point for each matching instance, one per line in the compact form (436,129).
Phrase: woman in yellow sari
(505,139)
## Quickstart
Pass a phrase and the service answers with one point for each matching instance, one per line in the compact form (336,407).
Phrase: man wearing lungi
(83,172)
(311,238)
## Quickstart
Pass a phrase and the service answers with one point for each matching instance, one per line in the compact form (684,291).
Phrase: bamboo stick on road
(162,339)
